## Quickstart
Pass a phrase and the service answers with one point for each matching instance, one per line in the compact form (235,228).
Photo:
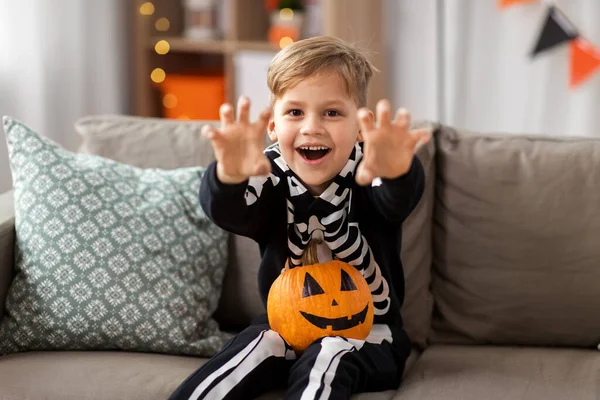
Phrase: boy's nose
(311,126)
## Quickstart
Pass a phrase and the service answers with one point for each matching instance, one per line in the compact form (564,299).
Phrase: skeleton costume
(358,225)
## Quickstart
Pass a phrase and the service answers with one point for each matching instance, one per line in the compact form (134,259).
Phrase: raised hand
(389,146)
(239,144)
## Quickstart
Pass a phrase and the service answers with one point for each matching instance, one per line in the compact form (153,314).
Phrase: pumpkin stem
(310,256)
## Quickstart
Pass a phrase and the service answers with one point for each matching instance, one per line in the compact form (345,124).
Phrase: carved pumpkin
(319,299)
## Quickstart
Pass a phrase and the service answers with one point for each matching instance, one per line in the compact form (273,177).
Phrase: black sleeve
(241,208)
(396,198)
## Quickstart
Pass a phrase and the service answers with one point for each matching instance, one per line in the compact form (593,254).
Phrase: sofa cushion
(92,375)
(417,252)
(516,239)
(109,256)
(455,372)
(146,142)
(151,142)
(106,376)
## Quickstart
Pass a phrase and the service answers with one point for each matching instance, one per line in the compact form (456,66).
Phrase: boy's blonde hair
(319,54)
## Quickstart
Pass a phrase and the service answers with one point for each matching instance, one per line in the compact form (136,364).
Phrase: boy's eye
(295,113)
(333,113)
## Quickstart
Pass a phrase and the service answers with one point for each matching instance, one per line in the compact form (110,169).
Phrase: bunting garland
(557,30)
(585,60)
(508,3)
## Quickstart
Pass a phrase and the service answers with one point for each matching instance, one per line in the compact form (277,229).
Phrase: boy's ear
(360,137)
(271,130)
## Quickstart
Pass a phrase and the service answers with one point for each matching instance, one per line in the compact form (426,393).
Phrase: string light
(162,24)
(162,47)
(170,100)
(285,41)
(286,14)
(147,8)
(158,75)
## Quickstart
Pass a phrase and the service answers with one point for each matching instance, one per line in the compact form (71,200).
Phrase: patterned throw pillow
(109,256)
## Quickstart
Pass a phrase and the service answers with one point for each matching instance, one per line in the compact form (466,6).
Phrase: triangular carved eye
(347,283)
(311,287)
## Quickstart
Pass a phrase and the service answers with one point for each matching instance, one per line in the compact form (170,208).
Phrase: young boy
(334,174)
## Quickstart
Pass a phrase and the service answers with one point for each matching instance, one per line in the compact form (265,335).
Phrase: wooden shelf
(246,30)
(255,46)
(186,45)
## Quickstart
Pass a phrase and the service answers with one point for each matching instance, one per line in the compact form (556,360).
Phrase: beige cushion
(106,376)
(447,372)
(516,233)
(161,143)
(145,142)
(417,253)
(92,375)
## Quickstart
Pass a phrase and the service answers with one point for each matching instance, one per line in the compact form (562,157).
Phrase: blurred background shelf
(255,46)
(188,78)
(188,45)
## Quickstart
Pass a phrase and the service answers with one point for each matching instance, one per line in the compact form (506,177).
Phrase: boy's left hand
(389,146)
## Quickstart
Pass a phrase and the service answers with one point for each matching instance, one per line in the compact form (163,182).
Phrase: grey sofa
(502,264)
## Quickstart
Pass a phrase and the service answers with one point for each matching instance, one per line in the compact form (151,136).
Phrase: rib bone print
(327,218)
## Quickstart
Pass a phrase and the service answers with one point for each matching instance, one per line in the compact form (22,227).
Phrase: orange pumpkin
(320,299)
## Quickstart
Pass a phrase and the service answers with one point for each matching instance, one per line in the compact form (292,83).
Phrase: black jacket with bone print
(281,216)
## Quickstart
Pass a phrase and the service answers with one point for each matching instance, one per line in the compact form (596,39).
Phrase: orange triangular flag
(585,59)
(508,3)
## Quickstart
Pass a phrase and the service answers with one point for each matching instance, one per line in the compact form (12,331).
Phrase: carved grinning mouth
(337,324)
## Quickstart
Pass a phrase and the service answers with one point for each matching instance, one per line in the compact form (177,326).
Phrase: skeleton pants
(258,360)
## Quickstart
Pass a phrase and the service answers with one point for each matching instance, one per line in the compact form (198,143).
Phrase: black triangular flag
(557,30)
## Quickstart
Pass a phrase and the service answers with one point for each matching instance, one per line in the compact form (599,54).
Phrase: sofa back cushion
(145,142)
(516,231)
(417,252)
(160,143)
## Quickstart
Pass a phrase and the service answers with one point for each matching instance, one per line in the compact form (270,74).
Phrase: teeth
(314,148)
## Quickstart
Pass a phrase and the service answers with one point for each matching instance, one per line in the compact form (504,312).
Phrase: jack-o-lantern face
(329,299)
(312,288)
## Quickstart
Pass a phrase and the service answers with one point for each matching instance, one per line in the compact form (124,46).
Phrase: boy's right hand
(239,144)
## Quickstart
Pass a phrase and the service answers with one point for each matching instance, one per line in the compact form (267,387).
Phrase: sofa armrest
(7,244)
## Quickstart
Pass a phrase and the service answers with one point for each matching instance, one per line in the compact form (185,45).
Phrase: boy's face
(316,126)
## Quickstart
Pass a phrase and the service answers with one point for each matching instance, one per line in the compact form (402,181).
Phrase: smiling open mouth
(313,153)
(337,324)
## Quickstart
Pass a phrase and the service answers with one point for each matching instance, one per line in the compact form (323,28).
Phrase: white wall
(60,60)
(411,44)
(411,53)
(251,79)
(494,85)
(489,80)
